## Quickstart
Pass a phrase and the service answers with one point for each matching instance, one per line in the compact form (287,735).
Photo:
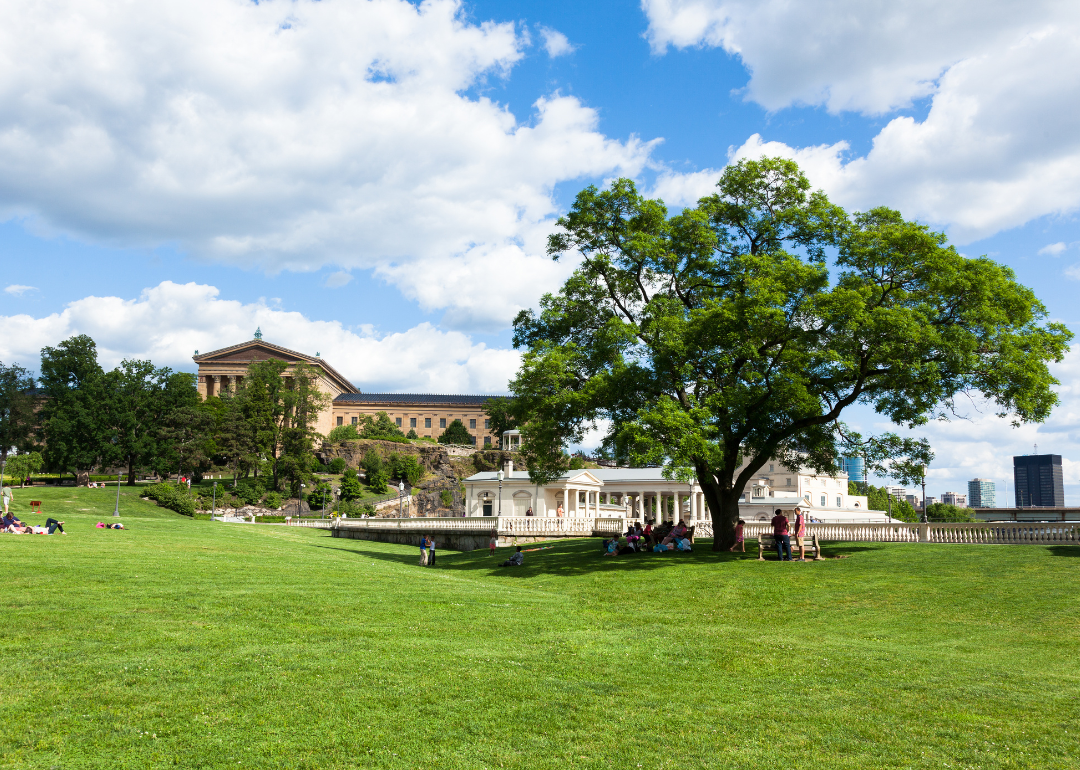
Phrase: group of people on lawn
(10,524)
(661,539)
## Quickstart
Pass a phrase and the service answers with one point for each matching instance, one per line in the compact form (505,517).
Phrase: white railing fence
(507,526)
(934,532)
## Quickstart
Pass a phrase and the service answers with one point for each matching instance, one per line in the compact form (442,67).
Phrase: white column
(641,506)
(693,507)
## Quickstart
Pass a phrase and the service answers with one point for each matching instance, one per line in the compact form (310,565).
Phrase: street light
(400,498)
(213,505)
(500,476)
(116,511)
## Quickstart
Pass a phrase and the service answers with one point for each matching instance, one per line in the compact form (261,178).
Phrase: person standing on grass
(800,533)
(8,497)
(494,542)
(739,537)
(431,552)
(423,551)
(780,533)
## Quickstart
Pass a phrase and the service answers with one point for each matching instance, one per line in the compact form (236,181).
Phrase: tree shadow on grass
(1065,550)
(563,557)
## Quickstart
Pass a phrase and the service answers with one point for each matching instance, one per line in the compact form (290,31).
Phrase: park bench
(767,542)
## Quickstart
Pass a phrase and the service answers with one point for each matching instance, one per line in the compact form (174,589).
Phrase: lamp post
(299,498)
(213,504)
(400,498)
(116,510)
(501,475)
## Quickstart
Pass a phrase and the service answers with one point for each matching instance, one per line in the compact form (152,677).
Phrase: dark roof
(409,398)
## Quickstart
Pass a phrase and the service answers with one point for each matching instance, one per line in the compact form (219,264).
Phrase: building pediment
(583,477)
(256,350)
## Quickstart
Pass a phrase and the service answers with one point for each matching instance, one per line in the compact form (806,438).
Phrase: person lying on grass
(516,560)
(103,525)
(20,528)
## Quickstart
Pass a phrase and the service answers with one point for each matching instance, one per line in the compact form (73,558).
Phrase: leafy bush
(355,510)
(172,497)
(272,500)
(946,512)
(343,433)
(446,497)
(412,434)
(456,433)
(350,485)
(377,481)
(576,463)
(250,493)
(337,465)
(405,467)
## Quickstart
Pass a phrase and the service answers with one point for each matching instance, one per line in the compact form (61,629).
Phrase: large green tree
(72,417)
(17,416)
(720,334)
(140,399)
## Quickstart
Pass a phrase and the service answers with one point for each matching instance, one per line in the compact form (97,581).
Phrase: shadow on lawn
(1065,550)
(575,557)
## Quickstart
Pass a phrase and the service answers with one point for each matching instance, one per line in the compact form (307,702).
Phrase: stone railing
(506,526)
(934,532)
(312,523)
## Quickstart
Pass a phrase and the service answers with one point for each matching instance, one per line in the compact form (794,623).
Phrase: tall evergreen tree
(17,416)
(72,422)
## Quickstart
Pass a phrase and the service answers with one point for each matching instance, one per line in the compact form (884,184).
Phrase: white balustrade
(934,532)
(568,526)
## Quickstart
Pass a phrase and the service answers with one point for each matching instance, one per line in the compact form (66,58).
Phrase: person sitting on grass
(516,560)
(739,537)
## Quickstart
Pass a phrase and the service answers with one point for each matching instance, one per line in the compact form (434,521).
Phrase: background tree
(71,418)
(234,436)
(262,392)
(303,402)
(185,440)
(500,411)
(351,489)
(946,512)
(720,334)
(375,472)
(24,464)
(17,418)
(456,433)
(380,428)
(140,398)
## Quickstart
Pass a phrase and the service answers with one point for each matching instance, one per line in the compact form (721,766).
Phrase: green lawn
(195,644)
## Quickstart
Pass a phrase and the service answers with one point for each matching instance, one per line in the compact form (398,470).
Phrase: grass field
(181,643)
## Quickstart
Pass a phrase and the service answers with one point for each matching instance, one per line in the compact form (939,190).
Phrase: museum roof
(409,398)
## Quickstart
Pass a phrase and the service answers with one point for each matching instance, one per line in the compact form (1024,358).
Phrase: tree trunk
(82,478)
(131,471)
(724,507)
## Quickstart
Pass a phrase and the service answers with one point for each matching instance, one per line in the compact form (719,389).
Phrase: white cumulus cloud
(1000,144)
(18,289)
(555,42)
(287,134)
(168,322)
(1053,249)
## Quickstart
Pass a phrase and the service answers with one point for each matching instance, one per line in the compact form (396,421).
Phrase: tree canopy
(17,417)
(456,433)
(745,326)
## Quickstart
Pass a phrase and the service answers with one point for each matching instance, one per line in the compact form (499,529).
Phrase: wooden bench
(768,542)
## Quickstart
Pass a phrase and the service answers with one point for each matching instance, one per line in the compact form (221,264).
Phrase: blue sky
(374,180)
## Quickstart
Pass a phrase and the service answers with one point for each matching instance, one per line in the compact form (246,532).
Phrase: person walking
(431,552)
(780,534)
(8,497)
(739,541)
(800,533)
(494,542)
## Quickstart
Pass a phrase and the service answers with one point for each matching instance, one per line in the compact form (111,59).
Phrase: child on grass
(739,537)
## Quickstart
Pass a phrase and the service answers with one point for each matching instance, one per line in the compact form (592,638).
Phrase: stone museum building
(428,414)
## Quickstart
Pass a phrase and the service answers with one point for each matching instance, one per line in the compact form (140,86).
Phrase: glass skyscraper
(982,493)
(854,467)
(1038,481)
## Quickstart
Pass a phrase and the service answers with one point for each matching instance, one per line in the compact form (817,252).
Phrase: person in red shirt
(780,533)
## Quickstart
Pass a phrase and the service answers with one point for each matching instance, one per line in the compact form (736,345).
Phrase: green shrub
(946,512)
(172,497)
(272,500)
(456,433)
(337,465)
(446,497)
(405,467)
(355,510)
(377,481)
(412,434)
(343,433)
(381,428)
(350,485)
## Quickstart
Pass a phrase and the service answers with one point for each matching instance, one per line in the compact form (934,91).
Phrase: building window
(787,482)
(339,420)
(806,497)
(442,422)
(427,422)
(412,422)
(472,440)
(770,467)
(823,501)
(487,440)
(472,424)
(839,502)
(354,419)
(398,421)
(487,424)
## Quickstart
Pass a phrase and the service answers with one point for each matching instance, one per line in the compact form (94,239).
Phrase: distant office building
(1038,481)
(913,501)
(854,467)
(900,493)
(951,498)
(930,500)
(982,494)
